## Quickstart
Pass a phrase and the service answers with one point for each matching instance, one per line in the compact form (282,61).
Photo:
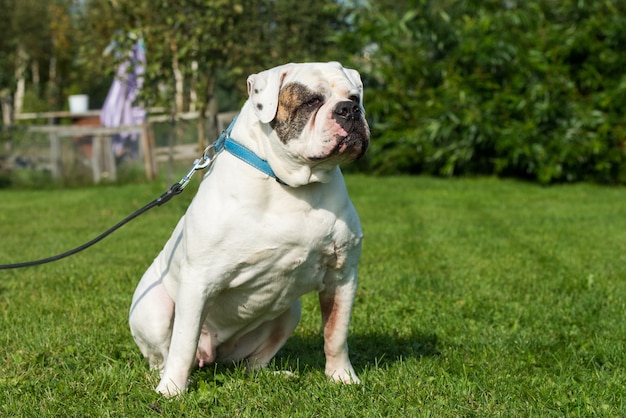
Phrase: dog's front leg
(191,300)
(336,302)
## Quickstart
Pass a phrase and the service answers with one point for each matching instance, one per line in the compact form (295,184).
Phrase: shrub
(532,89)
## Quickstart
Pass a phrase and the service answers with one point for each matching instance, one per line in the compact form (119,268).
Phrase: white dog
(226,285)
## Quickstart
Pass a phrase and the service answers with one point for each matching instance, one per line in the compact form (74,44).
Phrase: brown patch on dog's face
(296,104)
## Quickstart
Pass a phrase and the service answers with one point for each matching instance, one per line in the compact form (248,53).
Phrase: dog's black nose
(346,111)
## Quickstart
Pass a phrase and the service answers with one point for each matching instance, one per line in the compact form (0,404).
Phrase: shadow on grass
(366,351)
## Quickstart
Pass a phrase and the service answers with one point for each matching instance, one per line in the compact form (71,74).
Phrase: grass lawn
(477,297)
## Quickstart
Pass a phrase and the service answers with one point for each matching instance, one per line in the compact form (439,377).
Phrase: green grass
(477,297)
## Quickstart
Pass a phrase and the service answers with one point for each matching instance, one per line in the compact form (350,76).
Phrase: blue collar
(225,142)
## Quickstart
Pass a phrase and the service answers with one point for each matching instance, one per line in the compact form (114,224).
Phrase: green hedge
(532,89)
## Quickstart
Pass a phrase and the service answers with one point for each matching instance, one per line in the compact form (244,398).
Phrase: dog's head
(315,113)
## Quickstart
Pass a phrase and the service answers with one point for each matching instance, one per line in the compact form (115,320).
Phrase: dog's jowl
(226,286)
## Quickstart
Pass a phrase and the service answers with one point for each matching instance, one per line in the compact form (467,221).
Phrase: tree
(528,89)
(25,43)
(37,53)
(94,23)
(188,40)
(201,40)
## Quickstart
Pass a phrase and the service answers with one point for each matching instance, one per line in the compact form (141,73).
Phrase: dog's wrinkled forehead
(264,87)
(338,79)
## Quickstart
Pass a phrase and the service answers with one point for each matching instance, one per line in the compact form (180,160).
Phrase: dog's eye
(354,99)
(313,102)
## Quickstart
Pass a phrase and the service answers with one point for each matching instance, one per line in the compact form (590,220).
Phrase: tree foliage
(199,40)
(225,39)
(533,89)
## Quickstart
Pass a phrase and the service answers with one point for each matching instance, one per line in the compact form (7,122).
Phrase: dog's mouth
(354,145)
(349,146)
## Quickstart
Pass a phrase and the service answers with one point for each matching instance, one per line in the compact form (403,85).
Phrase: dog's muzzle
(349,116)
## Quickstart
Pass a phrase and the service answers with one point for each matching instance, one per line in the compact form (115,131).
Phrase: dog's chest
(285,262)
(280,259)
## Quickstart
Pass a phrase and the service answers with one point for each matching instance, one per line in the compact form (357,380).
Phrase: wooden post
(108,158)
(56,164)
(96,154)
(147,146)
(170,145)
(103,159)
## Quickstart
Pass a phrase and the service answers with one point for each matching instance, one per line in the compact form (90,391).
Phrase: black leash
(176,189)
(165,197)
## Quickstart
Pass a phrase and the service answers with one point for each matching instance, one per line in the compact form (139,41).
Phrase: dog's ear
(263,89)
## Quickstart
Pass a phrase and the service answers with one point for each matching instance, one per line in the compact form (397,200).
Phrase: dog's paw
(169,389)
(347,376)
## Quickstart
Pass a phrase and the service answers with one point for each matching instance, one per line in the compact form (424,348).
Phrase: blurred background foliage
(533,89)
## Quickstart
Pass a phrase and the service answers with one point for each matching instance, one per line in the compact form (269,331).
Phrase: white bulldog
(226,286)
